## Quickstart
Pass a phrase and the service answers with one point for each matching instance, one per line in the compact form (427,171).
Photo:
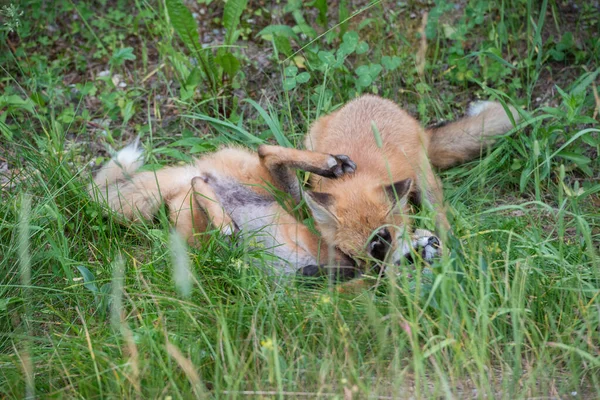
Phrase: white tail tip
(478,107)
(130,157)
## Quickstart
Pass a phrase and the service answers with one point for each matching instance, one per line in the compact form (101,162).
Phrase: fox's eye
(380,244)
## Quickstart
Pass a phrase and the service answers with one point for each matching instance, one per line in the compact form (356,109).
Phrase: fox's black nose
(380,244)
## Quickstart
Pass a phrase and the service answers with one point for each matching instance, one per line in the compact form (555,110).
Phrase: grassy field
(89,307)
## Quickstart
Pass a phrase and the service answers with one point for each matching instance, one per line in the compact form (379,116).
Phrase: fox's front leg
(281,161)
(422,242)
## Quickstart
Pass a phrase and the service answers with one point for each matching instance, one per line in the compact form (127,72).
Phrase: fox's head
(363,224)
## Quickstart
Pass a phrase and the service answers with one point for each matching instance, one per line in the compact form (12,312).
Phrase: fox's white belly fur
(256,217)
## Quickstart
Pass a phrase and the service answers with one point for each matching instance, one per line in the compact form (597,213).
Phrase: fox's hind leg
(281,160)
(205,197)
(186,216)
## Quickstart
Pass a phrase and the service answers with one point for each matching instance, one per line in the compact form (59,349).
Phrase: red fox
(364,213)
(359,210)
(228,189)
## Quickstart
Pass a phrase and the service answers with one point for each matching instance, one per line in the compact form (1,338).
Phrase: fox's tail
(128,192)
(120,167)
(462,140)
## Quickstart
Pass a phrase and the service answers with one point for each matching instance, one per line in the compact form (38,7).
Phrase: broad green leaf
(578,159)
(184,24)
(301,23)
(283,45)
(88,279)
(105,289)
(525,175)
(278,30)
(121,55)
(303,77)
(186,92)
(289,83)
(229,63)
(362,48)
(231,18)
(210,68)
(351,38)
(364,80)
(591,140)
(194,78)
(374,70)
(15,102)
(290,71)
(326,57)
(362,70)
(346,49)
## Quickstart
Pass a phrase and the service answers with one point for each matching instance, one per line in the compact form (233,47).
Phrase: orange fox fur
(364,213)
(226,189)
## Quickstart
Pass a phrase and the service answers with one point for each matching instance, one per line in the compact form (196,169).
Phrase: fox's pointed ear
(398,191)
(321,206)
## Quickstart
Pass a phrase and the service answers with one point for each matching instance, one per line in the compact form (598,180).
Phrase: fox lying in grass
(229,189)
(361,212)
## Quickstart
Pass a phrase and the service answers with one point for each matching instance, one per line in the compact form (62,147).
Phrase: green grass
(514,312)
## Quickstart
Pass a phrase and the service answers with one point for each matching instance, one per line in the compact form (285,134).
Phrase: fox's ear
(398,191)
(321,205)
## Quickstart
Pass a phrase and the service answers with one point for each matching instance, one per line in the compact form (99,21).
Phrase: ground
(88,307)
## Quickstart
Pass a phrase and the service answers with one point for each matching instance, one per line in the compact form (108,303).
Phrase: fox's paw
(310,271)
(422,242)
(339,165)
(426,244)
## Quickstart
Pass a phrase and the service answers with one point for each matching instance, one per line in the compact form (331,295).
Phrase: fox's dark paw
(340,165)
(310,270)
(337,274)
(426,244)
(310,276)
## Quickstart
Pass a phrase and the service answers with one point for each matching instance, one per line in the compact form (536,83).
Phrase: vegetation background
(88,306)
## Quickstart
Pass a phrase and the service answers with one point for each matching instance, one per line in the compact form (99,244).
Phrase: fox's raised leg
(281,160)
(205,197)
